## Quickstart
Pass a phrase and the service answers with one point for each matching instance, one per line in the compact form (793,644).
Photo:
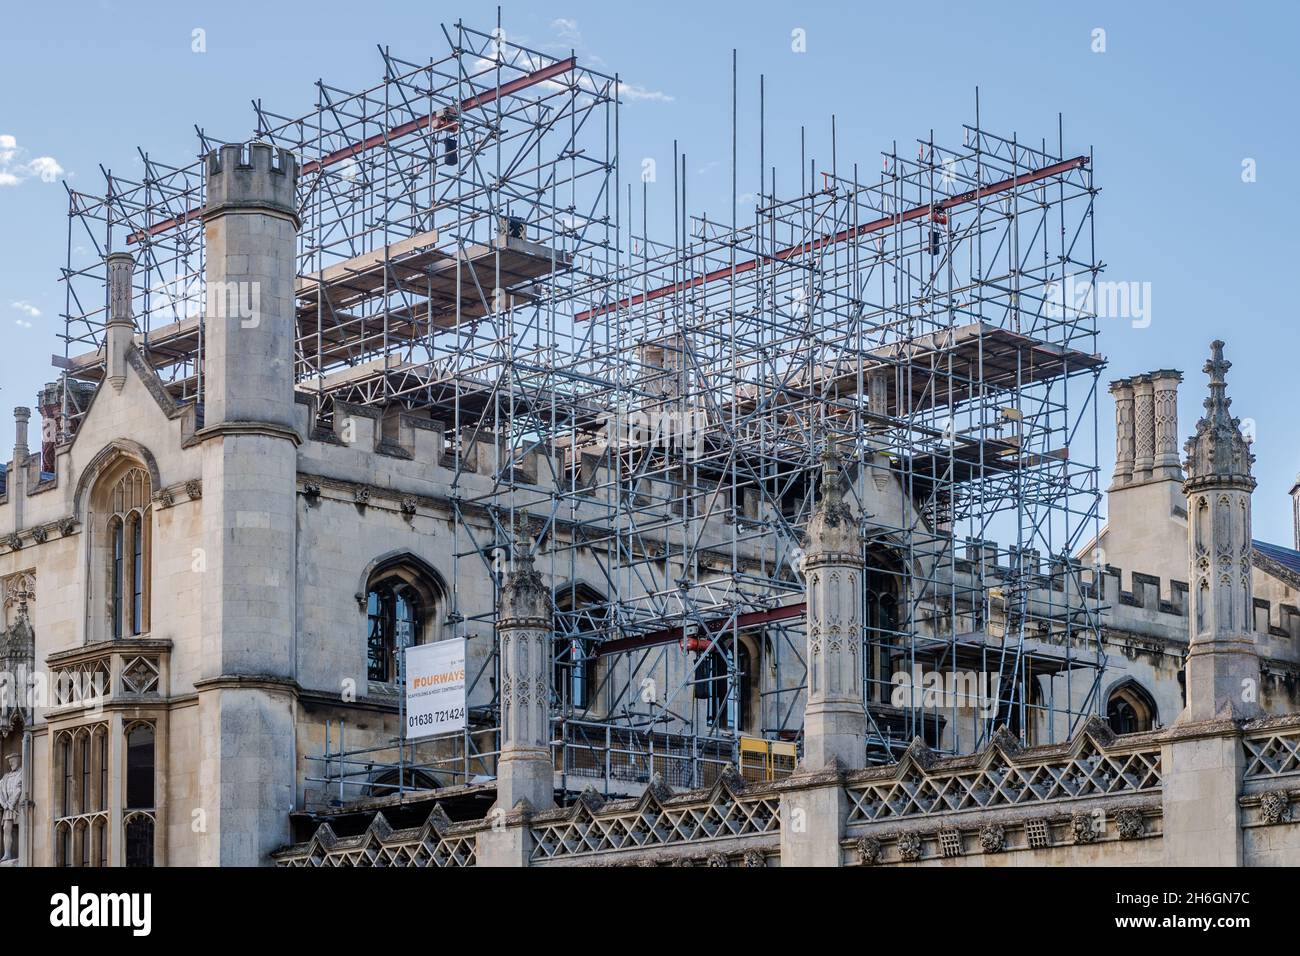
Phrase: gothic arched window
(580,618)
(726,692)
(882,618)
(81,756)
(1130,709)
(123,519)
(402,609)
(138,823)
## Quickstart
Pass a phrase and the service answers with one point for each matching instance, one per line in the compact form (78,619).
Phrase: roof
(1288,558)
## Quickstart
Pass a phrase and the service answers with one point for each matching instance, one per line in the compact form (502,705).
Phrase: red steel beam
(437,120)
(443,118)
(916,212)
(670,634)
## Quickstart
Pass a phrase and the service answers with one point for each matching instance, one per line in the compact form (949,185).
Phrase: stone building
(210,578)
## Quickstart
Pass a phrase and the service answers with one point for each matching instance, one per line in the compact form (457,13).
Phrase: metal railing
(615,759)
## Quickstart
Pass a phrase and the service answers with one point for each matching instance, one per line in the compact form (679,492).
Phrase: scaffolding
(469,252)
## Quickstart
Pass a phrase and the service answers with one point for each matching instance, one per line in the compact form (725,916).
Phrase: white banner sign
(435,688)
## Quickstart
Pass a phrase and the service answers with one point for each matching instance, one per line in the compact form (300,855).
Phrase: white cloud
(47,167)
(630,92)
(27,309)
(567,30)
(13,168)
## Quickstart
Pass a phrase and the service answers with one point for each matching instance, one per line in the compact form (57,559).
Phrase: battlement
(1137,609)
(255,175)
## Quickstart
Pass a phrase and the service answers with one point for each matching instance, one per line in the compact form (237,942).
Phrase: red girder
(916,212)
(438,120)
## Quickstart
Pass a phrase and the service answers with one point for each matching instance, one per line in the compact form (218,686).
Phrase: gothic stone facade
(192,596)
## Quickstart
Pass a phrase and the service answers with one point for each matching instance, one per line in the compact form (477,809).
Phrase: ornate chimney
(1124,432)
(120,334)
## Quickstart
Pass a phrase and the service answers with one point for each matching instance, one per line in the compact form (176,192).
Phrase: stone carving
(311,489)
(408,508)
(753,858)
(1006,741)
(1128,824)
(361,495)
(1084,827)
(67,526)
(165,497)
(993,838)
(716,859)
(194,488)
(660,790)
(591,799)
(11,796)
(40,534)
(1275,806)
(868,851)
(14,542)
(140,676)
(910,846)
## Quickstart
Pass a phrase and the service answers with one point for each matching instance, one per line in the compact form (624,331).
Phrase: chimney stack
(1168,463)
(121,328)
(18,470)
(1146,428)
(1295,509)
(1124,433)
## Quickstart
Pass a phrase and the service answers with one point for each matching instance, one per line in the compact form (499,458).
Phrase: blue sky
(1181,96)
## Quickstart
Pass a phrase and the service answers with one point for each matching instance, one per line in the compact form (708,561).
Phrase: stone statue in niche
(11,796)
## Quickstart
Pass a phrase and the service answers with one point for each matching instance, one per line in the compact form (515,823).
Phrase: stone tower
(1222,662)
(835,721)
(247,690)
(524,769)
